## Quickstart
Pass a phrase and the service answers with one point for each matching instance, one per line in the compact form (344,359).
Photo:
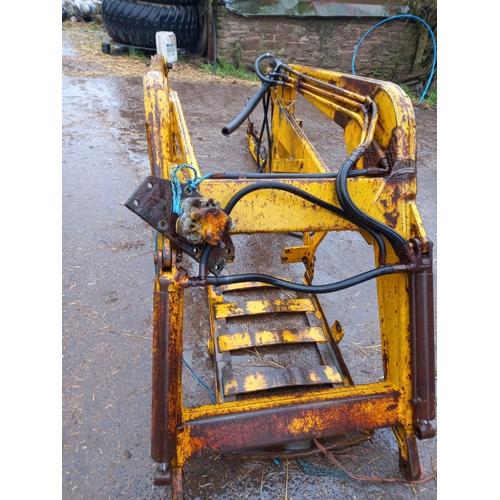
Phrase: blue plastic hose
(400,16)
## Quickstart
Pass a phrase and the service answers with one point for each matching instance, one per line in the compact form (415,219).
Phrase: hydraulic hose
(311,198)
(275,62)
(399,244)
(250,106)
(265,127)
(297,287)
(360,217)
(302,194)
(282,187)
(286,175)
(349,210)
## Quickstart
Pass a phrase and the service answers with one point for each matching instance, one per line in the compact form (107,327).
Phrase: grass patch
(134,53)
(225,69)
(430,99)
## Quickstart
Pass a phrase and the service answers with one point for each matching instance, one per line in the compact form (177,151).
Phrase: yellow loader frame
(373,192)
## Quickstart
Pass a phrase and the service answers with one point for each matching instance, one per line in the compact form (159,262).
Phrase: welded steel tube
(424,365)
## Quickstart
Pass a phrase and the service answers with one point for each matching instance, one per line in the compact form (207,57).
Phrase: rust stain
(392,217)
(251,429)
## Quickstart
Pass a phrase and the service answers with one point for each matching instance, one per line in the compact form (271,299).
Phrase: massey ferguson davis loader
(287,408)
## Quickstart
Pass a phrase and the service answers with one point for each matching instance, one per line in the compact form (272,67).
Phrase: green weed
(134,53)
(227,69)
(430,99)
(94,26)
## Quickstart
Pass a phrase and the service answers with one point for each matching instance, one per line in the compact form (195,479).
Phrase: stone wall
(327,43)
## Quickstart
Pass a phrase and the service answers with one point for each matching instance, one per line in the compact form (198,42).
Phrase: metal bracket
(152,202)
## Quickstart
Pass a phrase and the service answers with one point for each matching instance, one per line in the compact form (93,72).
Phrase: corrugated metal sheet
(313,8)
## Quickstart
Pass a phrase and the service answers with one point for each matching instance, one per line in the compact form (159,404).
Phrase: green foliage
(375,73)
(135,53)
(94,26)
(227,69)
(430,99)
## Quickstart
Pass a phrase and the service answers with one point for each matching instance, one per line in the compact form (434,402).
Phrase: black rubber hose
(265,127)
(297,287)
(399,244)
(302,194)
(265,79)
(306,196)
(286,175)
(283,187)
(360,217)
(250,106)
(311,198)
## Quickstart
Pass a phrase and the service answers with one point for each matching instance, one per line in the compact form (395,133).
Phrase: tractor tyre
(132,22)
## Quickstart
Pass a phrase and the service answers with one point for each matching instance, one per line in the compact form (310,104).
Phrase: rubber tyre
(133,23)
(173,2)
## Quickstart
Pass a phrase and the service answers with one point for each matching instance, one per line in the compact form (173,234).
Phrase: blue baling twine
(176,185)
(200,381)
(177,208)
(314,470)
(408,16)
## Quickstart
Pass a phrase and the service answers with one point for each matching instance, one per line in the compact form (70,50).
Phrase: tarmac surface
(107,285)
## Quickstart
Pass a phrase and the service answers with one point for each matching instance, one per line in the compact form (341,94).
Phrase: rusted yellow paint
(275,401)
(181,138)
(169,142)
(314,334)
(417,227)
(396,111)
(303,425)
(252,307)
(233,341)
(304,253)
(255,383)
(332,375)
(230,386)
(337,331)
(158,117)
(292,151)
(267,378)
(389,200)
(268,210)
(248,285)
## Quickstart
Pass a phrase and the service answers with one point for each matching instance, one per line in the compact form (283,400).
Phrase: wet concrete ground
(107,302)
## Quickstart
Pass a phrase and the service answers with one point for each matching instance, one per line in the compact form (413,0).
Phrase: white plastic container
(166,45)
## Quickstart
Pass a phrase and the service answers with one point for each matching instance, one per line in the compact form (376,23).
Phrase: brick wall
(327,43)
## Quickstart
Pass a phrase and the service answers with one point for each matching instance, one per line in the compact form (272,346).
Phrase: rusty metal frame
(405,399)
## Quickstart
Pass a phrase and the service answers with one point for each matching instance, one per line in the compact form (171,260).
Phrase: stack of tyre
(135,22)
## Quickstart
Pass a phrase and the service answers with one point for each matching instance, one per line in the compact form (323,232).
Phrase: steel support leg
(409,462)
(177,484)
(167,371)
